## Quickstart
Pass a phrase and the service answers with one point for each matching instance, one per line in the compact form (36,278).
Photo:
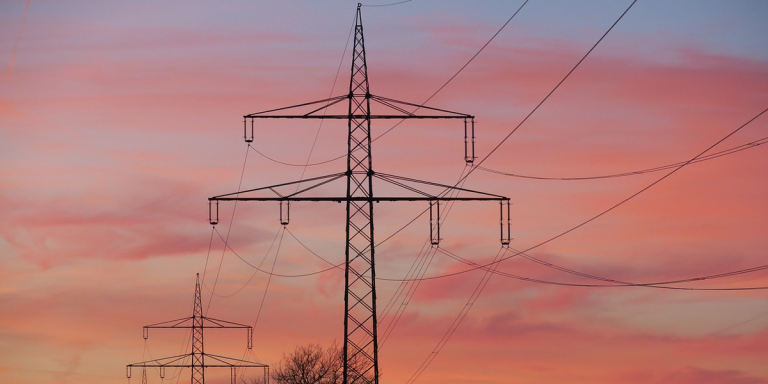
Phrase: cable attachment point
(469,142)
(248,138)
(285,212)
(505,222)
(213,214)
(434,222)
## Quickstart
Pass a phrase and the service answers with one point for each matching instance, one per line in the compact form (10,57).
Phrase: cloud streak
(16,43)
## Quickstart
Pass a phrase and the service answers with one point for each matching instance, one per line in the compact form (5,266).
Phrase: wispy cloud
(16,43)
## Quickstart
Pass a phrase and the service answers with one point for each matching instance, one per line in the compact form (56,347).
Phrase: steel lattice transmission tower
(197,323)
(360,317)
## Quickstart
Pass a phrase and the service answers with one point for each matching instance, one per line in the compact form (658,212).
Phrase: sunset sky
(118,119)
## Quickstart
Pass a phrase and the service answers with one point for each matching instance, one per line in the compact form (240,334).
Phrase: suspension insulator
(162,372)
(285,212)
(434,222)
(128,372)
(250,338)
(505,222)
(213,213)
(248,138)
(469,142)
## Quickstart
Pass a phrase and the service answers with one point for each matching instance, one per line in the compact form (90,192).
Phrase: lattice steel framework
(360,318)
(198,355)
(197,323)
(360,326)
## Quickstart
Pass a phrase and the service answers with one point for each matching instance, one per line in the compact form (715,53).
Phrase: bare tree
(253,380)
(311,364)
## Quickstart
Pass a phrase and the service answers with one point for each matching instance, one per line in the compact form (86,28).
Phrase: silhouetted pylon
(360,318)
(199,359)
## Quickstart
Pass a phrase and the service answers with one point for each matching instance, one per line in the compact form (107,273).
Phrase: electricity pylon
(197,322)
(360,319)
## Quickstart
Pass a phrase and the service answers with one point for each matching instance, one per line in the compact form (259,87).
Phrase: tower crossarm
(172,361)
(399,181)
(216,323)
(446,189)
(321,180)
(207,323)
(376,199)
(223,361)
(188,322)
(178,361)
(327,103)
(178,323)
(396,105)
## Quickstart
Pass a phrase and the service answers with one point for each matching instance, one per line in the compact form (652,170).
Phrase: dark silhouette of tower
(199,359)
(360,318)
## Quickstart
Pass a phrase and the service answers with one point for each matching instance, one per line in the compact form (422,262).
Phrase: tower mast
(360,338)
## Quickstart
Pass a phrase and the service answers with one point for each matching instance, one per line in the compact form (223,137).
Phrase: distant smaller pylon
(197,322)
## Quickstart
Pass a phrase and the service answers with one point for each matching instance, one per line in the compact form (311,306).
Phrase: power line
(526,118)
(305,166)
(457,321)
(208,255)
(229,230)
(418,268)
(492,270)
(617,204)
(256,270)
(423,264)
(712,156)
(269,279)
(295,164)
(330,94)
(460,69)
(551,92)
(386,5)
(659,284)
(419,106)
(607,210)
(523,254)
